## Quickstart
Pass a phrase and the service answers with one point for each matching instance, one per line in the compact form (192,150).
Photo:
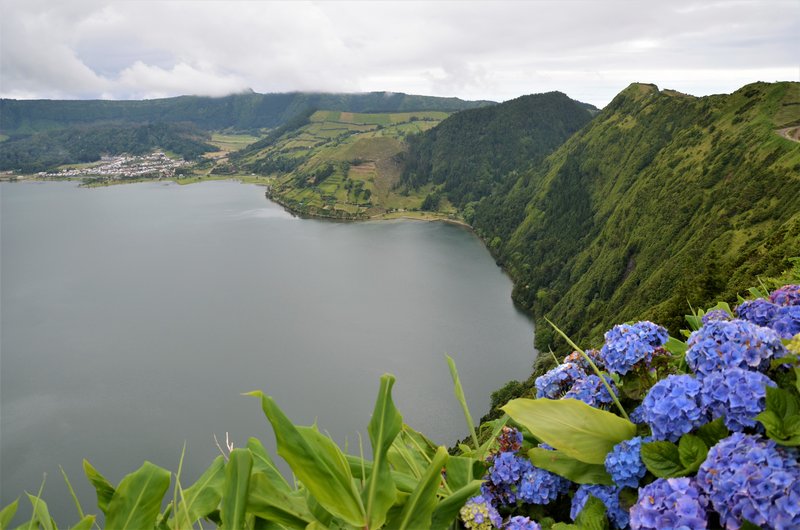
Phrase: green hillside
(248,111)
(473,151)
(338,164)
(663,199)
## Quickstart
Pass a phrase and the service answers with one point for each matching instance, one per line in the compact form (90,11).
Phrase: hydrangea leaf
(580,431)
(662,459)
(781,418)
(692,452)
(571,469)
(593,515)
(712,433)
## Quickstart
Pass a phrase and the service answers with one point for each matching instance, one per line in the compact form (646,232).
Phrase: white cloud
(476,50)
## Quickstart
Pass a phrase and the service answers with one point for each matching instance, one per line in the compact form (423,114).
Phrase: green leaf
(662,459)
(380,491)
(418,509)
(104,489)
(565,466)
(580,431)
(593,515)
(782,402)
(318,464)
(460,471)
(712,433)
(202,497)
(361,469)
(85,524)
(459,391)
(269,501)
(262,463)
(72,493)
(40,513)
(233,506)
(447,510)
(8,513)
(676,347)
(692,452)
(137,501)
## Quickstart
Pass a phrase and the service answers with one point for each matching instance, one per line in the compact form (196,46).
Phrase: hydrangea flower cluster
(673,407)
(576,358)
(734,344)
(504,477)
(539,486)
(758,311)
(557,381)
(521,523)
(629,344)
(479,514)
(592,391)
(736,395)
(715,314)
(786,295)
(624,463)
(670,503)
(786,322)
(749,478)
(509,440)
(610,497)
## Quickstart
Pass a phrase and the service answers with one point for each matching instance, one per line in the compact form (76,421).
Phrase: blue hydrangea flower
(786,295)
(504,476)
(610,497)
(670,503)
(521,523)
(479,514)
(673,407)
(736,395)
(758,311)
(637,415)
(554,383)
(577,358)
(786,321)
(509,440)
(539,486)
(716,314)
(628,344)
(624,463)
(750,478)
(735,344)
(592,391)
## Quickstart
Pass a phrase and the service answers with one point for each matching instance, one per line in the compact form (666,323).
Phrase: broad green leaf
(40,513)
(202,497)
(137,501)
(7,514)
(104,489)
(782,402)
(460,471)
(447,510)
(565,526)
(563,465)
(676,347)
(692,452)
(85,524)
(361,469)
(418,509)
(272,503)
(459,392)
(663,459)
(380,491)
(580,431)
(262,463)
(593,515)
(233,506)
(318,464)
(712,433)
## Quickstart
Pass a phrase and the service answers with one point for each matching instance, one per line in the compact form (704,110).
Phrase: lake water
(133,317)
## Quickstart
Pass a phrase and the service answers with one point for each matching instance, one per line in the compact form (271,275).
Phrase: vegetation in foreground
(648,432)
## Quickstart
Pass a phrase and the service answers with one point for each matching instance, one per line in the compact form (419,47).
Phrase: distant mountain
(471,153)
(662,200)
(240,111)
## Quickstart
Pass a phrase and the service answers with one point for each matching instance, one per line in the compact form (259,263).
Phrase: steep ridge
(469,154)
(239,111)
(662,199)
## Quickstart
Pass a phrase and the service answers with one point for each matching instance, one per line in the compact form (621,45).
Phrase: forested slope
(662,200)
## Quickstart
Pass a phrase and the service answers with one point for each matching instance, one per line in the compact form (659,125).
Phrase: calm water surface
(133,317)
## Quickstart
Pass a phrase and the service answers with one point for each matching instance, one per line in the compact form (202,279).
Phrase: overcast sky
(474,50)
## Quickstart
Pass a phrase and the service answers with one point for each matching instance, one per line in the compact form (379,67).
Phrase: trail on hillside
(790,133)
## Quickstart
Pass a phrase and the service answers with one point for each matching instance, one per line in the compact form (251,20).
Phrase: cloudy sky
(474,50)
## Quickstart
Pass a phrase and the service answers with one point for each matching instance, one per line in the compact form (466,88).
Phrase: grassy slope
(360,150)
(662,199)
